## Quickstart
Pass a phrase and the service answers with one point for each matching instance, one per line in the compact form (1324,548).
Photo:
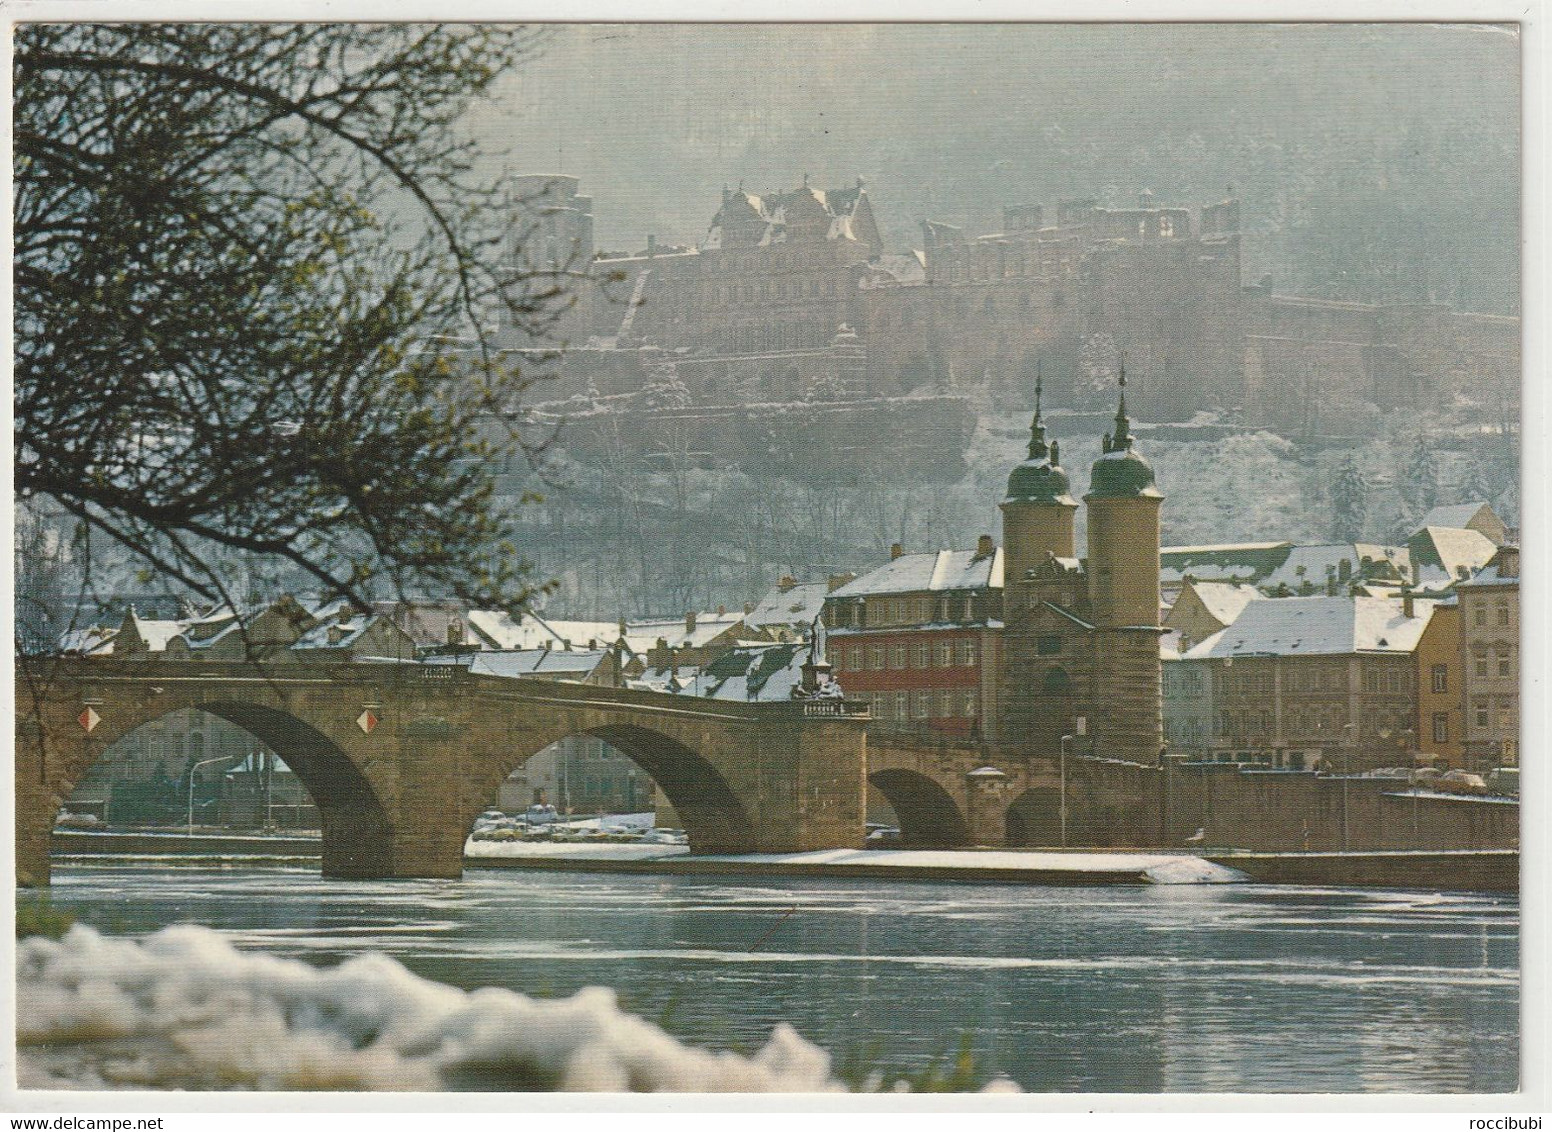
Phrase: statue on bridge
(817,683)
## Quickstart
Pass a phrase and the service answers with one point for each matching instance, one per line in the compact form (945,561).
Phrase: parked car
(1460,782)
(666,837)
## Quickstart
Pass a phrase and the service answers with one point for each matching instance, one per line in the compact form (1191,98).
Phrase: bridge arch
(929,816)
(1034,818)
(714,818)
(357,833)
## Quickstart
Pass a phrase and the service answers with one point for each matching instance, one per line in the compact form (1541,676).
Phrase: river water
(1241,988)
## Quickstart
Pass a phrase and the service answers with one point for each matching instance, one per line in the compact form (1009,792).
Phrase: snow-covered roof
(1503,570)
(1313,563)
(209,632)
(1224,600)
(336,631)
(94,640)
(1449,554)
(798,605)
(534,632)
(931,572)
(561,664)
(1314,626)
(1244,561)
(644,635)
(156,634)
(679,679)
(1457,515)
(749,673)
(895,270)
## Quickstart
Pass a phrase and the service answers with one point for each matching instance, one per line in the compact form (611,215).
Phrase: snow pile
(183,1009)
(1191,870)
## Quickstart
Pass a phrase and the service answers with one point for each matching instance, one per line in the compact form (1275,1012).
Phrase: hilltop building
(791,295)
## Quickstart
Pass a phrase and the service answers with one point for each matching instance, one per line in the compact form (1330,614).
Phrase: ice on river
(184,1009)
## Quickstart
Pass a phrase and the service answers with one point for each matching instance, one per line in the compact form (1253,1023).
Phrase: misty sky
(1328,132)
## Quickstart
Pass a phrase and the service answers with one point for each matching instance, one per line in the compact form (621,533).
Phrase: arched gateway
(401,758)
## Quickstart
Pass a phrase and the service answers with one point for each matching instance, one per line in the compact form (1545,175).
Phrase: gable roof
(929,573)
(1223,601)
(1315,626)
(1449,554)
(1458,515)
(644,635)
(797,605)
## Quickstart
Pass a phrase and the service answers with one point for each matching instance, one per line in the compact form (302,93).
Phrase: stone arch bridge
(400,759)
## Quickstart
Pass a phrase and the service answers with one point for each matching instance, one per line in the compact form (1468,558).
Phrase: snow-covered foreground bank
(184,1009)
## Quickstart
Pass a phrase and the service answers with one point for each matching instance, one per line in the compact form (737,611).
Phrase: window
(1503,614)
(1479,660)
(922,656)
(1503,663)
(1049,645)
(945,654)
(1441,727)
(902,705)
(972,703)
(876,658)
(1481,617)
(921,704)
(1441,680)
(1481,714)
(945,703)
(1056,679)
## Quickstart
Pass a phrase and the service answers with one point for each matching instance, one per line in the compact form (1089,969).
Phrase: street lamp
(1347,766)
(1062,777)
(192,769)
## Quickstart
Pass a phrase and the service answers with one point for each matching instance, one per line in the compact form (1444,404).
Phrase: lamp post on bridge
(192,769)
(1347,767)
(1061,804)
(1081,728)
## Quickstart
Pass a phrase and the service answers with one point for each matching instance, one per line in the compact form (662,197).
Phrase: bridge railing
(831,709)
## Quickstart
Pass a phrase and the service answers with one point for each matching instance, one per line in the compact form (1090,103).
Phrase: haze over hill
(1375,162)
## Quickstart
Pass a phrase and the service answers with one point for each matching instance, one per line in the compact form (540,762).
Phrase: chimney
(336,634)
(1406,605)
(721,611)
(748,608)
(984,546)
(839,580)
(895,551)
(455,632)
(1330,583)
(786,583)
(689,622)
(651,245)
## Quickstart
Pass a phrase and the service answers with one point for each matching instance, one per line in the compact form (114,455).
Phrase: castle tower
(1126,719)
(1037,514)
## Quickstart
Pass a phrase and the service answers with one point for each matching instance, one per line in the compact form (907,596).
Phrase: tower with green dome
(1038,512)
(1123,590)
